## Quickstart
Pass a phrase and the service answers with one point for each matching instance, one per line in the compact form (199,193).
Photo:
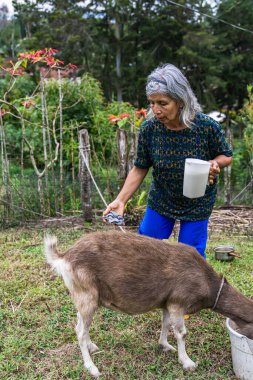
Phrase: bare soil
(224,220)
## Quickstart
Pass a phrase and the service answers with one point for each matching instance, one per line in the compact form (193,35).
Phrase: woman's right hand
(116,206)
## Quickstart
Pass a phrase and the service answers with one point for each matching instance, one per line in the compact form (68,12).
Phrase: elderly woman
(176,131)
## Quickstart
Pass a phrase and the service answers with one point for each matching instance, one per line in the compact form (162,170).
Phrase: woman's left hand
(214,171)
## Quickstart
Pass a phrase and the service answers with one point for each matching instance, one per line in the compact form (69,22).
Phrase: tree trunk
(50,149)
(227,170)
(6,190)
(118,61)
(73,167)
(44,139)
(41,195)
(22,157)
(61,142)
(84,176)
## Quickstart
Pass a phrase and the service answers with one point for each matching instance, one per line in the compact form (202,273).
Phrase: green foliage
(248,114)
(81,99)
(142,198)
(240,166)
(232,49)
(9,37)
(198,53)
(24,86)
(140,34)
(83,106)
(247,117)
(214,55)
(104,132)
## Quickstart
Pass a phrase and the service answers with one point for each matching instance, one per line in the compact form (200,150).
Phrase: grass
(37,320)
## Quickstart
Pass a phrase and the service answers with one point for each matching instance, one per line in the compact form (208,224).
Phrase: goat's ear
(243,328)
(247,330)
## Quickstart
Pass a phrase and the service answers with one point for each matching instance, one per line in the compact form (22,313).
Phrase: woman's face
(165,108)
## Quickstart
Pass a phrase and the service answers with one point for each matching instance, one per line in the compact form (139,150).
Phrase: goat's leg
(86,309)
(177,321)
(164,333)
(92,347)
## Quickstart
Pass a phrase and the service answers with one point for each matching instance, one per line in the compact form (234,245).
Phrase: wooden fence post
(132,151)
(84,176)
(122,143)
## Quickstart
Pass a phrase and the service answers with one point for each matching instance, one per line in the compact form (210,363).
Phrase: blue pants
(160,227)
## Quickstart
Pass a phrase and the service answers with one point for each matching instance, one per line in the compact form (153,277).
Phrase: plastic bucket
(195,177)
(242,352)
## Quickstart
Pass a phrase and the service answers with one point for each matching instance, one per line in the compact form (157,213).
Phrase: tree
(235,51)
(121,41)
(9,34)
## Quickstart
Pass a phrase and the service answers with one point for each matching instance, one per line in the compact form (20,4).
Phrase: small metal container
(225,253)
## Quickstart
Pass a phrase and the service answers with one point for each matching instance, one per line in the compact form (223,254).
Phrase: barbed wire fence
(24,205)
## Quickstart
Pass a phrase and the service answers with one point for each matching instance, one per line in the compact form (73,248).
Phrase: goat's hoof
(166,347)
(96,375)
(94,371)
(92,347)
(189,365)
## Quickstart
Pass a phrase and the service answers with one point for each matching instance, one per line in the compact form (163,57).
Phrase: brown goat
(135,274)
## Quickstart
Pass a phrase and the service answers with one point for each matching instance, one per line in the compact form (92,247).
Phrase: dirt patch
(232,220)
(226,220)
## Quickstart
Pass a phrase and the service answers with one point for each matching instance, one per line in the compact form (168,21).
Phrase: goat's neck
(234,305)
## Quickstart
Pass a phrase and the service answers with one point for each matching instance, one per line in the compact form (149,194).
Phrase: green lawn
(37,320)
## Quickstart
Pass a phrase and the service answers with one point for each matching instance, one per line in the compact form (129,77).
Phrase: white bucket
(195,177)
(242,352)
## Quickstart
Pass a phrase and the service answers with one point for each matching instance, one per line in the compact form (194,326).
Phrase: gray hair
(169,80)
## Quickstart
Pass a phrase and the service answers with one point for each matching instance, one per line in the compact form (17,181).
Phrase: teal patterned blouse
(166,150)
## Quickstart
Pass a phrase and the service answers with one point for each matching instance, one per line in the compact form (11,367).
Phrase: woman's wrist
(121,200)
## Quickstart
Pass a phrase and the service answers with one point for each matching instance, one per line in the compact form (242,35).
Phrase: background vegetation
(115,45)
(120,42)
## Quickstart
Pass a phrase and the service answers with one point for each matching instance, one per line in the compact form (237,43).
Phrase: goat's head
(245,328)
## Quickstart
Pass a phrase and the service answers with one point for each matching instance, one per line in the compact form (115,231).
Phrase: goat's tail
(56,260)
(51,252)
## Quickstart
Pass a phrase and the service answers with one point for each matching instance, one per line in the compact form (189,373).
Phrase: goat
(135,274)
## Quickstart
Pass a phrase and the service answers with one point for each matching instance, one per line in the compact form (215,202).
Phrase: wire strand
(241,192)
(212,17)
(22,208)
(86,149)
(93,180)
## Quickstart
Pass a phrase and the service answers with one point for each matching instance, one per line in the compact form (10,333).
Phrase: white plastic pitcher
(195,177)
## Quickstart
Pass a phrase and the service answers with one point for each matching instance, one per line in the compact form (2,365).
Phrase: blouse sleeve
(143,159)
(217,142)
